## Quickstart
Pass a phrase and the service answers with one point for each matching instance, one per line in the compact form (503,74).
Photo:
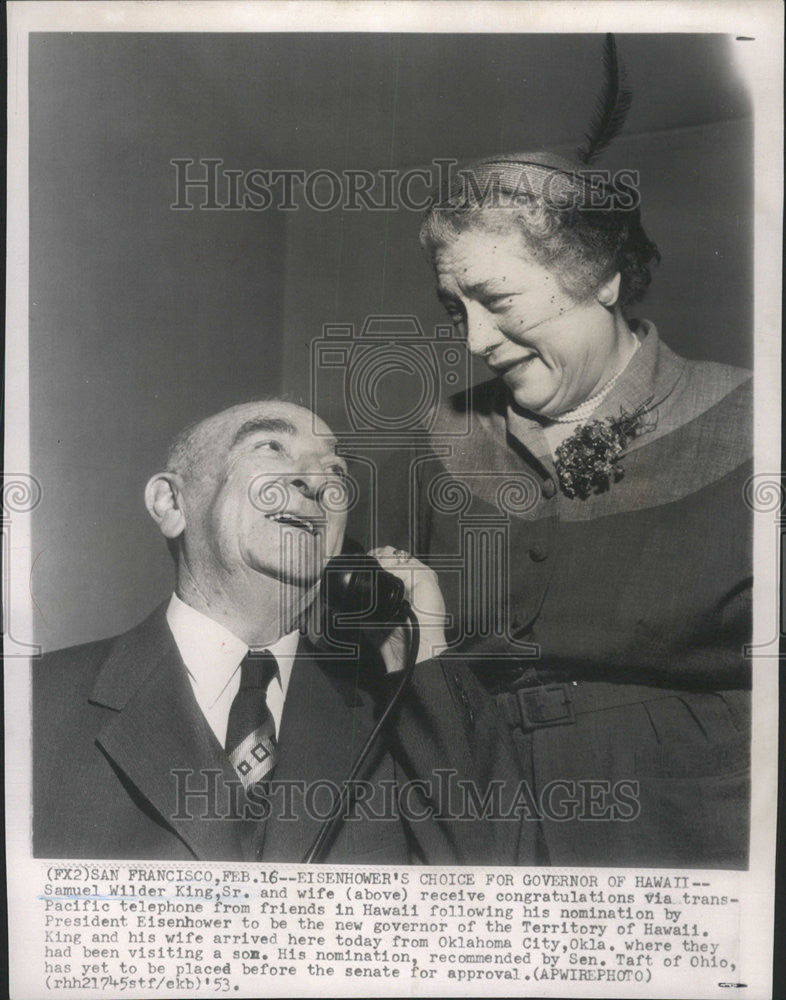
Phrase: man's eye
(274,446)
(339,472)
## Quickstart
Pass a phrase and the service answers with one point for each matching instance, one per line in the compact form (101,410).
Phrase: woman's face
(552,350)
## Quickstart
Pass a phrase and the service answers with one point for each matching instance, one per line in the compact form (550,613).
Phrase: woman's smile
(552,351)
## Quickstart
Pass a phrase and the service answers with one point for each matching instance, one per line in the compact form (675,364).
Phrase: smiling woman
(553,351)
(608,623)
(531,272)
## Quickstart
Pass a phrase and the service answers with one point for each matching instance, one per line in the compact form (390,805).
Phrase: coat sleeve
(459,768)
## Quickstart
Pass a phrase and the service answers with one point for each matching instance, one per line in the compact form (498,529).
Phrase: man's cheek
(336,536)
(259,538)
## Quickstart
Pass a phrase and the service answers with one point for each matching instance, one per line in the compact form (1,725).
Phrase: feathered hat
(547,174)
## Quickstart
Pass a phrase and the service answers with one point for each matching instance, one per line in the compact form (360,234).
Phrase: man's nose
(309,484)
(483,335)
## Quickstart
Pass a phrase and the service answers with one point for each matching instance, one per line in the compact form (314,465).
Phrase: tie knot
(257,669)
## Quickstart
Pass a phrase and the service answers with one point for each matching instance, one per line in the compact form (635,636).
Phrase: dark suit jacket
(120,746)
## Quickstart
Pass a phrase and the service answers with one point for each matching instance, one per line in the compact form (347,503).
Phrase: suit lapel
(327,717)
(158,729)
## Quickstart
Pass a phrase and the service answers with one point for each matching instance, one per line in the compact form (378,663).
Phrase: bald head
(193,454)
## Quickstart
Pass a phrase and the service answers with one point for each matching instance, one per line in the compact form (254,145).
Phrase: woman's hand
(426,600)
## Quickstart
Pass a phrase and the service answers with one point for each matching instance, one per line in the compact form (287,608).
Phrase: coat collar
(650,378)
(160,741)
(132,657)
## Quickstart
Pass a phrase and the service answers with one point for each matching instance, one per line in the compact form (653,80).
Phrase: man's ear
(609,292)
(163,499)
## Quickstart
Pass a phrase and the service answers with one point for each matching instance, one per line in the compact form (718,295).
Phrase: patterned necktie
(251,731)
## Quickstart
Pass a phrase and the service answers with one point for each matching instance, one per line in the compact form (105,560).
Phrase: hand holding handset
(356,588)
(359,593)
(374,593)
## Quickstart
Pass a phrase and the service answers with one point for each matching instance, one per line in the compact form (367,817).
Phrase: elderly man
(214,729)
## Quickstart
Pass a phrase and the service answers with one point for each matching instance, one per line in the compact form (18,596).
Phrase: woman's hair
(584,247)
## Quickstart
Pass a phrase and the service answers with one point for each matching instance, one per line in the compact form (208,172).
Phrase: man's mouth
(300,521)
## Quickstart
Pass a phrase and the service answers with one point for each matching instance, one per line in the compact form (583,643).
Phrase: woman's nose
(483,334)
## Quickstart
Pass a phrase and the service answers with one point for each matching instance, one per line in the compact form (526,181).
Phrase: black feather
(611,107)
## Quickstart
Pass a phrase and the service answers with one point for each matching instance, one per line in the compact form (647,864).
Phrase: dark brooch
(590,460)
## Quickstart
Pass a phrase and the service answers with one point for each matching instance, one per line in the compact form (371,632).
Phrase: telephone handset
(356,588)
(359,592)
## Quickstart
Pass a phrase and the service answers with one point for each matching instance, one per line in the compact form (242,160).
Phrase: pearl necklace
(588,407)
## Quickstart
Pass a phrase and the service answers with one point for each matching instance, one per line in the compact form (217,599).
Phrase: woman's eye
(497,303)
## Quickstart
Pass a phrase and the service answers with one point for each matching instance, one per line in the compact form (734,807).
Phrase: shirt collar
(212,654)
(285,651)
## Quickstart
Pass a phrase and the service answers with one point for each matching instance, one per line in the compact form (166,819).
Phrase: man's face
(270,497)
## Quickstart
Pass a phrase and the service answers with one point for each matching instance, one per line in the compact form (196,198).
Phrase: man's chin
(296,573)
(300,575)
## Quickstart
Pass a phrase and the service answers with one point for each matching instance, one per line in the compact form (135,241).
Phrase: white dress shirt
(212,655)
